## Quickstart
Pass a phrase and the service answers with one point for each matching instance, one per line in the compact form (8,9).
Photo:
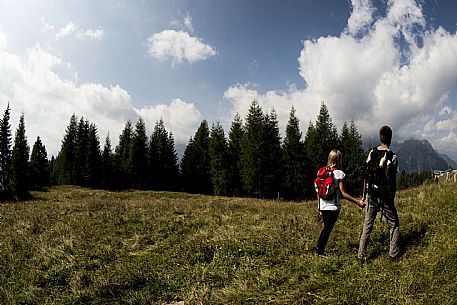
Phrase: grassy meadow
(72,245)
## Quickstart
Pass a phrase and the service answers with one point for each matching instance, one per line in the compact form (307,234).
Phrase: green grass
(73,245)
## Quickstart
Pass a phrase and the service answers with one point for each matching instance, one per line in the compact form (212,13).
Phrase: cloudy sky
(375,62)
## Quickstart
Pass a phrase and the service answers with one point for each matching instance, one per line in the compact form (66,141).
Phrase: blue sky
(375,62)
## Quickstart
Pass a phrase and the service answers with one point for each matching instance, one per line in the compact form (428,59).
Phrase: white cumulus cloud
(240,97)
(445,120)
(390,69)
(361,17)
(180,117)
(3,41)
(31,86)
(178,46)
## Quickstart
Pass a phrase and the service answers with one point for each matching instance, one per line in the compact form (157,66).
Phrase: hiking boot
(395,258)
(316,251)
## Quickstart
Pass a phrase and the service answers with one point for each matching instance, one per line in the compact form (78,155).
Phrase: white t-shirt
(332,204)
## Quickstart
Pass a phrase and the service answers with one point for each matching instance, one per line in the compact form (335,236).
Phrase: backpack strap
(332,169)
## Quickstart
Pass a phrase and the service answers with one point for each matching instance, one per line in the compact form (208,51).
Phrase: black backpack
(381,173)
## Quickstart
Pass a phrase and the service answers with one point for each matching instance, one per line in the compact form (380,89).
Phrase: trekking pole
(364,192)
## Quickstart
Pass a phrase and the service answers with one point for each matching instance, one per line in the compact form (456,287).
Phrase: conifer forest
(252,160)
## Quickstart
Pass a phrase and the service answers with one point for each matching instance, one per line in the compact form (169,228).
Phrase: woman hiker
(330,208)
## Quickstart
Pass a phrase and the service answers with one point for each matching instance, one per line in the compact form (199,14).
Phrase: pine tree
(92,171)
(139,156)
(327,134)
(5,150)
(66,159)
(164,170)
(19,164)
(188,168)
(261,154)
(353,158)
(251,151)
(170,165)
(311,143)
(122,157)
(107,171)
(293,185)
(271,169)
(155,156)
(39,169)
(82,139)
(345,138)
(202,157)
(196,166)
(236,134)
(218,150)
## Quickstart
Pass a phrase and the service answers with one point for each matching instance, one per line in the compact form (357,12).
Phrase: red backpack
(324,185)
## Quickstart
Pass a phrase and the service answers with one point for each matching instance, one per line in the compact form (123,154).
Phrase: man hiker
(382,167)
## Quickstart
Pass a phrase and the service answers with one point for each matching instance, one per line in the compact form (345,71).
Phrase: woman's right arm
(361,203)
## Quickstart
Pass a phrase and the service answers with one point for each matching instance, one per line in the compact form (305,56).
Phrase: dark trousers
(329,218)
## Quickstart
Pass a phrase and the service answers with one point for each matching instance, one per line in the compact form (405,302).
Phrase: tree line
(252,160)
(20,171)
(408,180)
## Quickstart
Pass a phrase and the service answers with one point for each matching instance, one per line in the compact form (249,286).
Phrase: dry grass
(77,246)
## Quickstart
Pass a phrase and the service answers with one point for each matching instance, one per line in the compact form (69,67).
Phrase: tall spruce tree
(328,135)
(19,163)
(311,143)
(218,149)
(107,170)
(293,184)
(164,170)
(358,159)
(5,150)
(353,157)
(251,151)
(202,157)
(154,155)
(82,139)
(188,168)
(320,139)
(271,169)
(66,159)
(139,156)
(170,164)
(261,154)
(39,169)
(122,159)
(236,134)
(92,171)
(196,164)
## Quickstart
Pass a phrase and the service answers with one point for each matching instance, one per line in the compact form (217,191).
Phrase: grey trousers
(389,211)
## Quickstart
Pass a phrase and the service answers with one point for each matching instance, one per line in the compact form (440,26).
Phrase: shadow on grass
(413,237)
(408,240)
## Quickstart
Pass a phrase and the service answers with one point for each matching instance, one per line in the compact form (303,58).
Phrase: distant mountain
(416,155)
(449,161)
